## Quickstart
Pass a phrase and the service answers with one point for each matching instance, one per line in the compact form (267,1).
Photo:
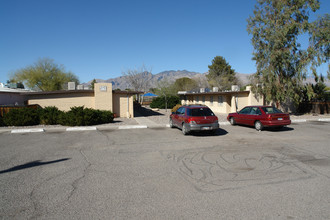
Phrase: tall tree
(221,74)
(44,75)
(319,47)
(185,84)
(281,63)
(138,78)
(165,88)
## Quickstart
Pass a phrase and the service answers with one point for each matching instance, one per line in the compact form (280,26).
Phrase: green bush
(77,116)
(80,116)
(1,122)
(159,102)
(50,115)
(22,117)
(74,117)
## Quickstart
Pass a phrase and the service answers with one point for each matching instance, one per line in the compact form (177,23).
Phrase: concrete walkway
(145,121)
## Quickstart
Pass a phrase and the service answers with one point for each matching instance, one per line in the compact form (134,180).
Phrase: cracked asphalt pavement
(238,173)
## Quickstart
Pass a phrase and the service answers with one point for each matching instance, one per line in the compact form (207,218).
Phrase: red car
(194,118)
(260,117)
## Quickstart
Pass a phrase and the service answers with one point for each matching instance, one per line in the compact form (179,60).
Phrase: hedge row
(159,102)
(77,116)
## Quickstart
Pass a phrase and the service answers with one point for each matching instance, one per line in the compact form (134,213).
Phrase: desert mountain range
(172,75)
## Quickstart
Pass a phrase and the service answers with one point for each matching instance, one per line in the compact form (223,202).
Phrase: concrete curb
(81,129)
(299,120)
(132,127)
(124,127)
(32,130)
(324,119)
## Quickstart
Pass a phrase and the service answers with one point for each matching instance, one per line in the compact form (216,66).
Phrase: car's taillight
(191,121)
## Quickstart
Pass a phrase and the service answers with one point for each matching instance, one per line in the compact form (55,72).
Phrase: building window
(197,99)
(220,100)
(211,100)
(203,99)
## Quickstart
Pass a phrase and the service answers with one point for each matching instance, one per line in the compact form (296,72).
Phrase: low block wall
(315,107)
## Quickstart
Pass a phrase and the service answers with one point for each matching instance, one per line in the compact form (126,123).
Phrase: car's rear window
(200,112)
(271,110)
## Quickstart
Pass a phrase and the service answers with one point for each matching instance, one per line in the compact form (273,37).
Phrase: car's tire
(171,123)
(258,125)
(185,130)
(232,121)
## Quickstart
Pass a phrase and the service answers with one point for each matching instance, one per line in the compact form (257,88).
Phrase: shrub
(175,108)
(22,117)
(107,116)
(77,116)
(159,102)
(50,115)
(1,122)
(80,116)
(74,117)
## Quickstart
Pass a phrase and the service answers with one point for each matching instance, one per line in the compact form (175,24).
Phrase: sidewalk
(146,118)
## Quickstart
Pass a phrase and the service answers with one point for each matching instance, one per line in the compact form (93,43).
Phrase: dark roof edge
(126,92)
(76,91)
(58,92)
(217,93)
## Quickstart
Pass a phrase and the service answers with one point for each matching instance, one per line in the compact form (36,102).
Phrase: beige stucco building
(102,98)
(222,102)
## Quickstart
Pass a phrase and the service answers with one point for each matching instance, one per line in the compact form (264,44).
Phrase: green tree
(184,84)
(92,84)
(221,74)
(164,87)
(281,63)
(44,75)
(319,47)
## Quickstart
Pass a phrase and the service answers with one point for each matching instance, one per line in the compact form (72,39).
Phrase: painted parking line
(82,129)
(31,130)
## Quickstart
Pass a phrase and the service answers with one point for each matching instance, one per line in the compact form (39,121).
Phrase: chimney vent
(71,86)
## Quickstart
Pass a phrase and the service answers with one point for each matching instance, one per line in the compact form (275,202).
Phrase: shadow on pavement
(279,129)
(31,164)
(140,111)
(272,129)
(218,132)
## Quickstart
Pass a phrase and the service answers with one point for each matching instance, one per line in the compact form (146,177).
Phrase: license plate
(280,119)
(206,128)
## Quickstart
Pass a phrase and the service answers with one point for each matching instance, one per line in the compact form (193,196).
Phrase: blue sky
(101,39)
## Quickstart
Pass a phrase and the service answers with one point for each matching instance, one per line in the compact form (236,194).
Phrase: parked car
(260,117)
(194,118)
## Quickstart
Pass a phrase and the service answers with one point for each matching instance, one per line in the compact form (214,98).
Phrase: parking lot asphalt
(158,173)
